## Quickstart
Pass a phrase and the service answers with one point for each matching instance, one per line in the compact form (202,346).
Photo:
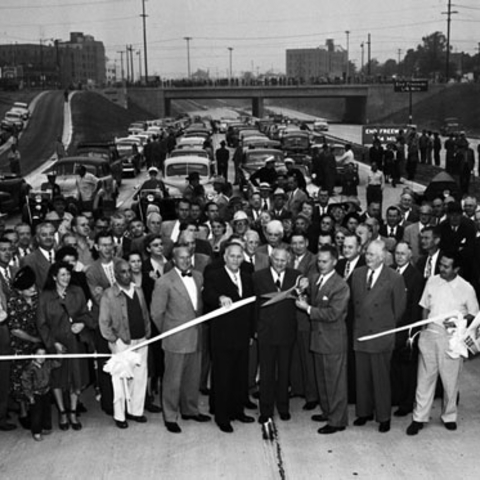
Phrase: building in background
(76,63)
(317,65)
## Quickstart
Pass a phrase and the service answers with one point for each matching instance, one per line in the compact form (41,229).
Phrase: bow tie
(187,274)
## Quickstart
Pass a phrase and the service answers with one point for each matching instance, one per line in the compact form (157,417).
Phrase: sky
(258,31)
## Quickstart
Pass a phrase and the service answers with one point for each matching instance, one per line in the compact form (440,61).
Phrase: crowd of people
(323,272)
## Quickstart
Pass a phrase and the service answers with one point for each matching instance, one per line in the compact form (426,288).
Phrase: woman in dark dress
(22,323)
(63,320)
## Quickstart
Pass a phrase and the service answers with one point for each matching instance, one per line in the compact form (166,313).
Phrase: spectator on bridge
(437,147)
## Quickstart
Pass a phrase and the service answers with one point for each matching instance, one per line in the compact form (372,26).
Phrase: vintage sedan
(188,151)
(13,118)
(190,142)
(106,151)
(22,107)
(65,170)
(13,192)
(176,170)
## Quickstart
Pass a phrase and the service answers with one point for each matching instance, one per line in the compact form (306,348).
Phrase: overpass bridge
(355,96)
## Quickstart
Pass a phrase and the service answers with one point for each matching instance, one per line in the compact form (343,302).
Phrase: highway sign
(385,133)
(410,86)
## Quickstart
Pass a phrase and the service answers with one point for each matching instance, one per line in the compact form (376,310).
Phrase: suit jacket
(378,309)
(123,247)
(385,229)
(167,228)
(342,263)
(413,216)
(199,263)
(462,241)
(277,323)
(422,262)
(5,345)
(171,307)
(414,284)
(328,314)
(96,277)
(232,330)
(264,248)
(113,319)
(40,265)
(411,234)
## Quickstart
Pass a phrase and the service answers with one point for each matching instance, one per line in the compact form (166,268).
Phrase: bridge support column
(167,107)
(355,110)
(257,107)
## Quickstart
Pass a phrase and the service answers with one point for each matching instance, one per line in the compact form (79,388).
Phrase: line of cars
(14,121)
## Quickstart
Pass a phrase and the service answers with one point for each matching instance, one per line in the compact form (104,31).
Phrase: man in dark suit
(379,301)
(276,331)
(295,196)
(412,232)
(352,260)
(327,307)
(119,226)
(230,337)
(429,265)
(302,372)
(177,300)
(43,256)
(392,227)
(405,357)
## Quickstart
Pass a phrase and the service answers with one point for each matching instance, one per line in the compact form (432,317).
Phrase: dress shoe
(320,418)
(63,421)
(401,412)
(450,425)
(256,394)
(173,427)
(384,427)
(250,405)
(76,425)
(263,419)
(24,422)
(200,417)
(285,417)
(244,418)
(121,424)
(225,427)
(7,427)
(137,418)
(37,437)
(414,428)
(327,429)
(361,421)
(152,408)
(310,406)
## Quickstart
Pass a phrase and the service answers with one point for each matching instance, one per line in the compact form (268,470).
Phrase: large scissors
(301,284)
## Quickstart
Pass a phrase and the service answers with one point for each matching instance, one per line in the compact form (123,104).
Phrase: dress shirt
(48,254)
(129,291)
(353,264)
(191,287)
(109,272)
(235,277)
(175,231)
(401,270)
(297,261)
(277,276)
(376,274)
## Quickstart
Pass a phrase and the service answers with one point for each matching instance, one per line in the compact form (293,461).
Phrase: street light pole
(347,69)
(230,50)
(121,52)
(188,55)
(362,46)
(144,17)
(449,14)
(139,53)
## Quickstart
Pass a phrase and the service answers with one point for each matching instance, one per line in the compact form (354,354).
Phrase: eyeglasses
(156,244)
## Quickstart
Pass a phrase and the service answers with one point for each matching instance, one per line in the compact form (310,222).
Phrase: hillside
(96,119)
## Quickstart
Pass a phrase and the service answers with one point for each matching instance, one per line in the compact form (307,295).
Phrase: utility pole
(188,55)
(144,17)
(347,69)
(121,52)
(362,46)
(399,53)
(369,52)
(42,76)
(127,63)
(449,14)
(131,63)
(139,53)
(230,78)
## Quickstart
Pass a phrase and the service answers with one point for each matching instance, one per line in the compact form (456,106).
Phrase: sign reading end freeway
(410,86)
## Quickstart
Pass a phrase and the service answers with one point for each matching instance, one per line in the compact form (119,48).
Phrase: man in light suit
(276,332)
(327,309)
(41,259)
(302,372)
(171,228)
(199,260)
(100,276)
(124,322)
(230,337)
(252,256)
(412,232)
(176,300)
(295,196)
(379,301)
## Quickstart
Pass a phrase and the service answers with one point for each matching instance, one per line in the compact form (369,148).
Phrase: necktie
(187,274)
(392,233)
(347,270)
(265,205)
(8,278)
(50,256)
(428,267)
(278,284)
(320,282)
(370,280)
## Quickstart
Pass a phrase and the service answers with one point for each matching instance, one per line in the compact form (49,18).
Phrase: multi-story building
(317,64)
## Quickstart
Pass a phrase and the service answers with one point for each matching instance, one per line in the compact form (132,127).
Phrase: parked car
(66,175)
(13,192)
(451,126)
(22,107)
(107,151)
(320,125)
(176,170)
(13,118)
(296,145)
(186,151)
(190,142)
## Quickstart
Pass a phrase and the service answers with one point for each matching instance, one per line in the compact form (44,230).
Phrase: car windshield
(183,169)
(296,141)
(258,158)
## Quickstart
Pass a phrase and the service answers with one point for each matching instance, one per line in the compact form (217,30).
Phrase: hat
(24,279)
(153,170)
(235,199)
(219,179)
(304,217)
(279,191)
(193,176)
(239,216)
(222,143)
(265,186)
(454,207)
(269,159)
(289,160)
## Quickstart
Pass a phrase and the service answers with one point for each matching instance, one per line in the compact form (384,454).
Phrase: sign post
(410,86)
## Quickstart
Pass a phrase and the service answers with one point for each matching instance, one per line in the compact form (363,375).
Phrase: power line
(56,5)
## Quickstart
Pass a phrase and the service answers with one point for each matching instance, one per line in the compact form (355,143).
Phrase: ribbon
(196,321)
